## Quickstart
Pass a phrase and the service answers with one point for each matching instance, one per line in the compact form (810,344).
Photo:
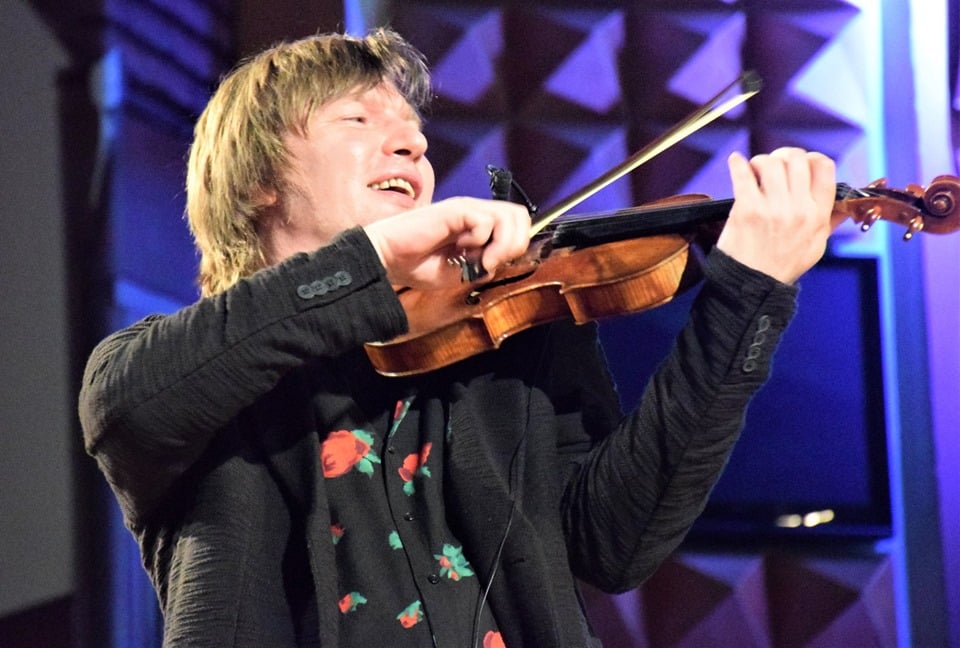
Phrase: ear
(266,197)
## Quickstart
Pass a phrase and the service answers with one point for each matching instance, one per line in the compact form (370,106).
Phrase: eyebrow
(412,113)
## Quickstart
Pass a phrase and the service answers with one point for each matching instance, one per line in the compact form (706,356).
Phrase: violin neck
(584,230)
(681,215)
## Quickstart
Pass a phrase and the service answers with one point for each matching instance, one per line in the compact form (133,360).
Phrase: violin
(596,266)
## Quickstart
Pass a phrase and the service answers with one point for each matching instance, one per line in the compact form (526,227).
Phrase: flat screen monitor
(812,458)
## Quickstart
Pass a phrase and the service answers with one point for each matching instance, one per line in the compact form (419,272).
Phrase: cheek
(429,183)
(333,181)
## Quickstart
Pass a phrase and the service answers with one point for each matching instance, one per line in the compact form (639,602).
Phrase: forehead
(383,97)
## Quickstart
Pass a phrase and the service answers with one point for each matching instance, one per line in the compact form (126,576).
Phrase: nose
(406,139)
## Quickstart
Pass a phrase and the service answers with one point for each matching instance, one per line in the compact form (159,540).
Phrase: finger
(742,177)
(823,178)
(771,174)
(515,233)
(510,236)
(797,169)
(474,228)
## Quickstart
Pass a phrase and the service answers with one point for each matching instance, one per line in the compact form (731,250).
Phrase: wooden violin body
(447,326)
(603,266)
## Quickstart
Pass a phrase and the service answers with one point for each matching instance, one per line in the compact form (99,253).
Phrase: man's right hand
(415,246)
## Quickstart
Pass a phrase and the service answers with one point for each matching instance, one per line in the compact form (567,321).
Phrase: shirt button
(433,578)
(391,449)
(409,516)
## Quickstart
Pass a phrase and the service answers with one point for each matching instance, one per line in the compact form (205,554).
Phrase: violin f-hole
(473,297)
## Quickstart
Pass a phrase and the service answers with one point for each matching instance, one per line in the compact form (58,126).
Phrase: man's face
(361,159)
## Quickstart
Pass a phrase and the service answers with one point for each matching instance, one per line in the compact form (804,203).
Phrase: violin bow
(750,84)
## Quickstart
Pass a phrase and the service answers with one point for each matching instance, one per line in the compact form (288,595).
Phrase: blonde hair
(237,155)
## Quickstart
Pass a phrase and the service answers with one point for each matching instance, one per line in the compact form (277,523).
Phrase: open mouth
(395,184)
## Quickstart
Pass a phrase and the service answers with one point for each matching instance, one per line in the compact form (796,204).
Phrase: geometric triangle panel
(743,614)
(717,60)
(618,619)
(814,95)
(478,50)
(562,64)
(761,598)
(677,598)
(855,621)
(588,77)
(550,161)
(698,164)
(728,619)
(836,79)
(780,46)
(879,604)
(455,40)
(460,150)
(849,148)
(804,601)
(671,63)
(608,148)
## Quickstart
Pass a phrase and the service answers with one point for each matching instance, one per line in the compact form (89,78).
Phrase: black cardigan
(201,422)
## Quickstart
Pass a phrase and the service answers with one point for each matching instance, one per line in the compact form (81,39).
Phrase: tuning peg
(913,227)
(872,216)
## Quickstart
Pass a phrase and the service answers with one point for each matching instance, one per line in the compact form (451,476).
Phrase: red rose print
(344,449)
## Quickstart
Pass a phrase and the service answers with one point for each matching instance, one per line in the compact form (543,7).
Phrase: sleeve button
(304,291)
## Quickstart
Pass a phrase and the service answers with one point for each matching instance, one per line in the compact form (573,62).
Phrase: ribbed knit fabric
(203,424)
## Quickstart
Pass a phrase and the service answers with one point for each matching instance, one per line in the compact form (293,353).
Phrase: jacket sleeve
(634,495)
(155,394)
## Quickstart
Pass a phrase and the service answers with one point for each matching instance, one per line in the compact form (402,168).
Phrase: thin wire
(516,490)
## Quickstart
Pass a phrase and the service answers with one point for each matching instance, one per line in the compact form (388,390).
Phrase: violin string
(704,115)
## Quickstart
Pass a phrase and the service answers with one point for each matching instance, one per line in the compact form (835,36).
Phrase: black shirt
(403,575)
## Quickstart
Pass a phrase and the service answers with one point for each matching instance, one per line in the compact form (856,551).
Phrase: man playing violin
(284,494)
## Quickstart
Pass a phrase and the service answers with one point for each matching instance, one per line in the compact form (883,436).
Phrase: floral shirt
(404,578)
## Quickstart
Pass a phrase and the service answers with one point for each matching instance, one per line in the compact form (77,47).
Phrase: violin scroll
(942,198)
(934,209)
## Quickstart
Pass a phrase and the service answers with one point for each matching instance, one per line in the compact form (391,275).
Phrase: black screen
(815,436)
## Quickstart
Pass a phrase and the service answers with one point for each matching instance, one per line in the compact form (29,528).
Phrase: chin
(393,210)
